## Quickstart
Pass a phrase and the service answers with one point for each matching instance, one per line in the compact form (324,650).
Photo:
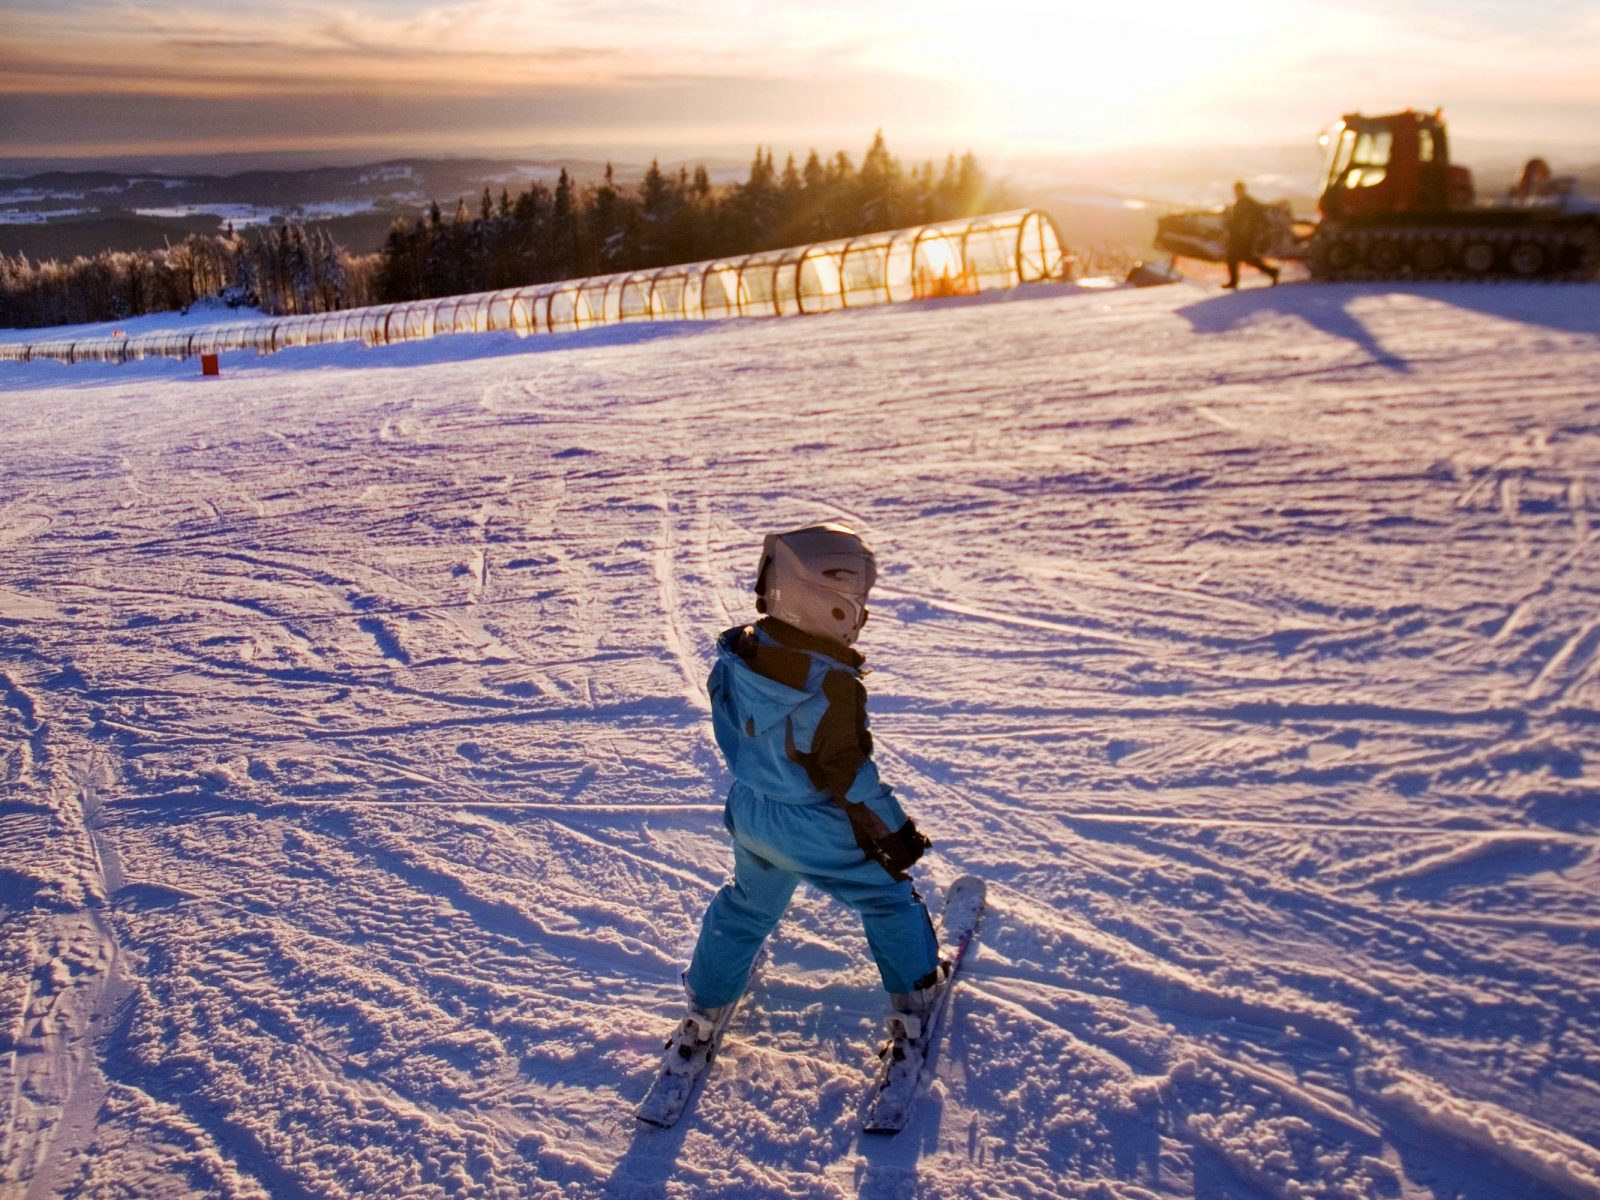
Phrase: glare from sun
(1041,73)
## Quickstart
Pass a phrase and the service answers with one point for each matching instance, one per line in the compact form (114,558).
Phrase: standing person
(789,713)
(1246,222)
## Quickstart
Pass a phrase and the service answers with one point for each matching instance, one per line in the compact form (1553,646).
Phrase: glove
(901,848)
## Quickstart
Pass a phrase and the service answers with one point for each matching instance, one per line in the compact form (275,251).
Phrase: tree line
(566,232)
(281,270)
(542,235)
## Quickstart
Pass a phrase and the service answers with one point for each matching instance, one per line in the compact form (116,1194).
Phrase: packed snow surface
(358,802)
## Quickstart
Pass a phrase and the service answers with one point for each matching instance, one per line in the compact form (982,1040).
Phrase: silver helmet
(817,580)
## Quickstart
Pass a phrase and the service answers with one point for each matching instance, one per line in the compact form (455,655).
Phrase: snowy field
(358,801)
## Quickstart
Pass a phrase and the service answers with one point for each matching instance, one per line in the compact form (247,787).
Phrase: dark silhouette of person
(1246,222)
(1534,181)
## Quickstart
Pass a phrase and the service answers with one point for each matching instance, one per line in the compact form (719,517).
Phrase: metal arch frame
(311,330)
(745,304)
(881,245)
(582,315)
(570,295)
(901,242)
(720,267)
(444,314)
(927,235)
(523,300)
(693,294)
(497,306)
(176,345)
(611,299)
(659,310)
(372,326)
(550,307)
(810,254)
(283,334)
(1038,219)
(844,270)
(1022,237)
(643,284)
(592,286)
(468,317)
(786,265)
(969,267)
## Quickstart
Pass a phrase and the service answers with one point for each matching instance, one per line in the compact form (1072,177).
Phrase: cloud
(129,45)
(939,71)
(683,110)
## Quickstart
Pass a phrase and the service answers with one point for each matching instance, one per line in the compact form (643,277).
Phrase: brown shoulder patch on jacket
(842,743)
(778,663)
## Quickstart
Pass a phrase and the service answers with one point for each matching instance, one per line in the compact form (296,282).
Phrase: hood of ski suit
(759,720)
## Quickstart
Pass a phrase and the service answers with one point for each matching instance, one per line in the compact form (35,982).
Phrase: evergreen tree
(564,229)
(879,188)
(971,192)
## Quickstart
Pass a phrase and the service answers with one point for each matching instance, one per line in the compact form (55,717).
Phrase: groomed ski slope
(358,801)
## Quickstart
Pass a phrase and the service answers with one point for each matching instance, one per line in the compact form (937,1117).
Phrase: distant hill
(60,214)
(88,234)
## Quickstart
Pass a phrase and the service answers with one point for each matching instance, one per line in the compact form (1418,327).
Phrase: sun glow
(1051,74)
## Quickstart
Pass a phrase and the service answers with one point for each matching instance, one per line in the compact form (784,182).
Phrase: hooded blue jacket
(789,713)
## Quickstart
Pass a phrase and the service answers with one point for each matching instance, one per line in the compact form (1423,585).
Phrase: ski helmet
(817,579)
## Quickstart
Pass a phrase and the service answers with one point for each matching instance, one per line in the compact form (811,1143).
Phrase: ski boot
(910,1012)
(694,1034)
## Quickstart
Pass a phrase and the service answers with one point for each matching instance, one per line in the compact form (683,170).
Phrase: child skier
(789,714)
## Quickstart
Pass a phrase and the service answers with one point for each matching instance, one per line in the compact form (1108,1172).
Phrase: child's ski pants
(776,844)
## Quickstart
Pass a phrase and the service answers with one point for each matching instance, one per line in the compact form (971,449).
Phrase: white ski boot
(692,1037)
(909,1013)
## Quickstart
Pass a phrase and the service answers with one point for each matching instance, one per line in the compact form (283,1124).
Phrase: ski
(680,1075)
(899,1079)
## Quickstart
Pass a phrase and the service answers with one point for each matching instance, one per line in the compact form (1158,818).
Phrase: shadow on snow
(1573,309)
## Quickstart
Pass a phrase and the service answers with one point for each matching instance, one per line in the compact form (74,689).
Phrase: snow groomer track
(358,799)
(952,258)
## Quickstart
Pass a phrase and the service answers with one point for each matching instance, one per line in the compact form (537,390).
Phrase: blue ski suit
(789,714)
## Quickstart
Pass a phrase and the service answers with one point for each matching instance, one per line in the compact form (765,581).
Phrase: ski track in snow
(358,803)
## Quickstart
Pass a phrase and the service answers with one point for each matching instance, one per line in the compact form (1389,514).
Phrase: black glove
(901,848)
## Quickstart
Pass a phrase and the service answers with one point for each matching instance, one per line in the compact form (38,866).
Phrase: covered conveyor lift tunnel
(961,257)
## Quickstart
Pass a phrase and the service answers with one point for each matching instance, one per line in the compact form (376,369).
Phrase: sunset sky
(358,77)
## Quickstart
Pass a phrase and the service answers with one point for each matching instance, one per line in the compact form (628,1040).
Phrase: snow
(389,173)
(197,316)
(21,195)
(359,802)
(528,172)
(246,215)
(240,215)
(10,216)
